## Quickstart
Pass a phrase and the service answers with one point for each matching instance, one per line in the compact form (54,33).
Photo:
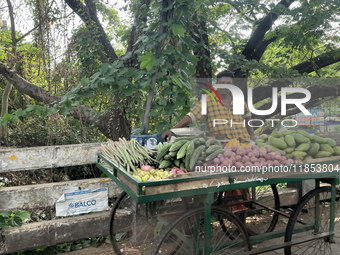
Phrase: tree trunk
(203,67)
(114,124)
(8,89)
(4,110)
(163,19)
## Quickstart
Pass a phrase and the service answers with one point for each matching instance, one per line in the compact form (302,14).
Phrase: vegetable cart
(190,214)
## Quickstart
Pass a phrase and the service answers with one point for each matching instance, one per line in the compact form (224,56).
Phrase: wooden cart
(190,215)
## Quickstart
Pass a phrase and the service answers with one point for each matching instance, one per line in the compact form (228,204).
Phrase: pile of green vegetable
(186,152)
(299,144)
(128,154)
(176,153)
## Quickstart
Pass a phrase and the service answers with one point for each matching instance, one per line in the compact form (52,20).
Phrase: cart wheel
(133,227)
(186,235)
(259,219)
(304,224)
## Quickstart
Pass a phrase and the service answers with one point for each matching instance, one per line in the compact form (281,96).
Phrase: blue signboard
(316,119)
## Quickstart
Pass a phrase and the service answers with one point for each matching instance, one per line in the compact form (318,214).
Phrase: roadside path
(105,249)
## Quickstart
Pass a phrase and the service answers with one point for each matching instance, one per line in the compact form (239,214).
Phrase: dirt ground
(105,249)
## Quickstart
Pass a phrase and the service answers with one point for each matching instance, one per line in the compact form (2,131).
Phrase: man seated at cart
(216,111)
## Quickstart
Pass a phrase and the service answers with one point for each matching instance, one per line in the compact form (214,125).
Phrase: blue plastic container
(148,140)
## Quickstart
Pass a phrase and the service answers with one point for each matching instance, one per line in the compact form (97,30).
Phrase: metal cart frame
(207,185)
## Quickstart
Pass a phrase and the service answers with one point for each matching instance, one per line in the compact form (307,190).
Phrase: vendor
(217,111)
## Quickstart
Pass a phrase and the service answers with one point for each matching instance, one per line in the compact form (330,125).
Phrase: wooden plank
(48,233)
(31,158)
(322,160)
(127,182)
(151,190)
(41,195)
(258,176)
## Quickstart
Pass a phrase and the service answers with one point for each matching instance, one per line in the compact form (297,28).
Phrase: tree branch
(13,33)
(88,14)
(23,36)
(230,38)
(240,11)
(261,30)
(323,60)
(202,53)
(318,62)
(151,93)
(81,112)
(140,18)
(261,48)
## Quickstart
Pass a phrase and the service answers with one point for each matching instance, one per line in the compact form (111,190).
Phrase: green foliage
(303,31)
(172,80)
(85,77)
(147,61)
(35,130)
(178,30)
(13,219)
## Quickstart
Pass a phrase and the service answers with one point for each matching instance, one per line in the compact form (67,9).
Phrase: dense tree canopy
(117,74)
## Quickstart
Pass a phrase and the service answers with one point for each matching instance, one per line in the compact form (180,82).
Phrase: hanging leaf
(157,61)
(104,68)
(176,80)
(126,56)
(108,80)
(162,37)
(146,61)
(145,83)
(168,50)
(84,81)
(178,30)
(123,81)
(7,116)
(95,76)
(162,101)
(129,90)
